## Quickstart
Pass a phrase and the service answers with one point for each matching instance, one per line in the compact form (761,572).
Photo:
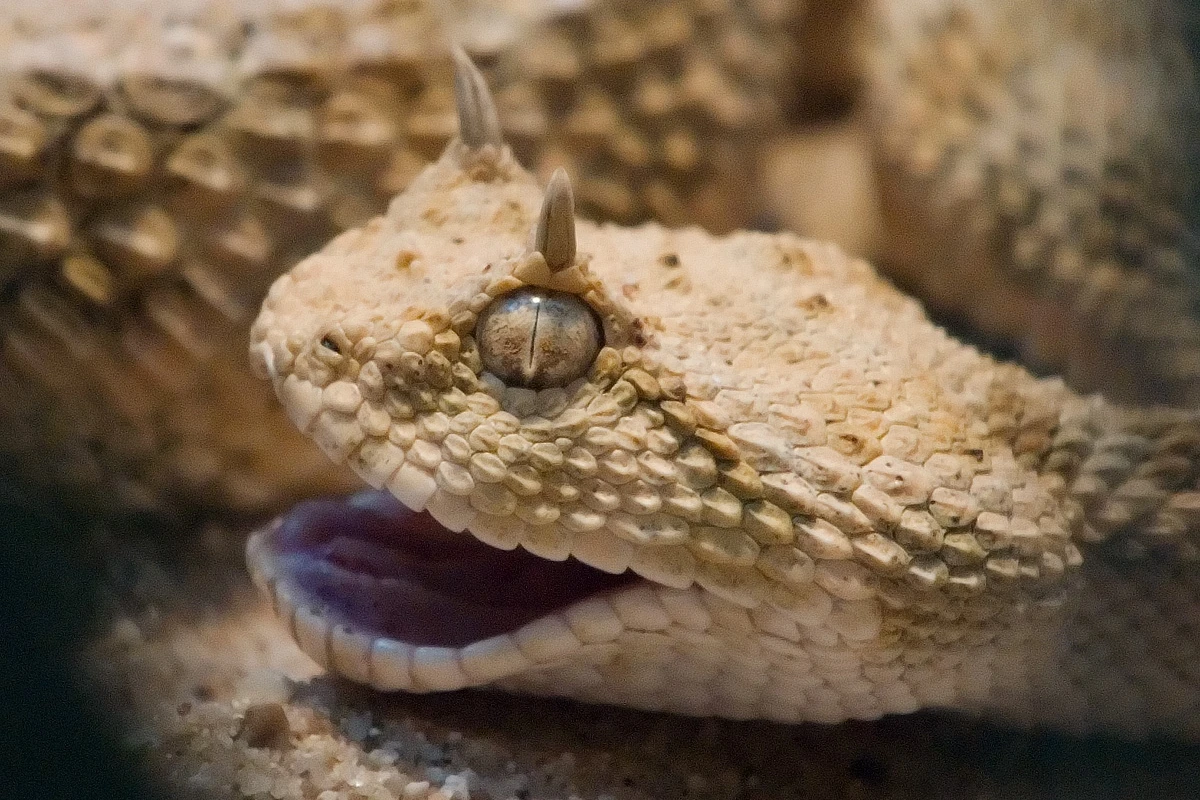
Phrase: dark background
(55,741)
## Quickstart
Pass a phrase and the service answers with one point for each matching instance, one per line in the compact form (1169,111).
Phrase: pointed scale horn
(554,237)
(478,123)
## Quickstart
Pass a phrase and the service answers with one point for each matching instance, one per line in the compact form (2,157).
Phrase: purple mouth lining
(379,568)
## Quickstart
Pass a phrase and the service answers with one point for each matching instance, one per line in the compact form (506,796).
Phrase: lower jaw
(591,636)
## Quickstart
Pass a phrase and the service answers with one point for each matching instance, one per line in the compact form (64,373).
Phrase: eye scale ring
(537,338)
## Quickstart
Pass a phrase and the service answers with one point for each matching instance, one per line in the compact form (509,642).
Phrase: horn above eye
(537,338)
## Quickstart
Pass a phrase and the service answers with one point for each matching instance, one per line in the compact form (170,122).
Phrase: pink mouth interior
(377,567)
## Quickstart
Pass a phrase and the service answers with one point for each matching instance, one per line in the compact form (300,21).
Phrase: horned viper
(739,475)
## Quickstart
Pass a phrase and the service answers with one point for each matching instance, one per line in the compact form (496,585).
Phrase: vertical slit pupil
(537,313)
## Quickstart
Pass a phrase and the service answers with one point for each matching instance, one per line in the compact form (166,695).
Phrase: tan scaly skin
(823,506)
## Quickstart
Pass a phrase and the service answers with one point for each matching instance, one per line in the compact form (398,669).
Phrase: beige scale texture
(838,510)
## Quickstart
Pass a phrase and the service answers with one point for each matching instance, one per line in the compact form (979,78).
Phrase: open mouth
(388,595)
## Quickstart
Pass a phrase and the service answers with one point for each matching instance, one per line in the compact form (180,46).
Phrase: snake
(739,476)
(736,475)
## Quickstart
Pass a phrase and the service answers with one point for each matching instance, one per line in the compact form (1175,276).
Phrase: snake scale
(737,475)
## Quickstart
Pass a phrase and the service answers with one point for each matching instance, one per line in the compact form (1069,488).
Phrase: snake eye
(537,338)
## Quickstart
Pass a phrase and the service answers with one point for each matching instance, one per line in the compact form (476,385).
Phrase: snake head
(709,475)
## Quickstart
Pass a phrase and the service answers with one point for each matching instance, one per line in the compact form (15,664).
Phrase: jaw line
(319,598)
